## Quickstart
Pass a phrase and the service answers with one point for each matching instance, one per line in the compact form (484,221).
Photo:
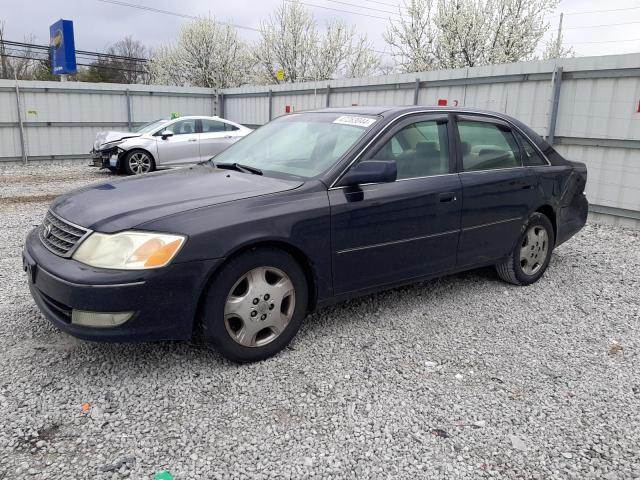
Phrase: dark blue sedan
(310,209)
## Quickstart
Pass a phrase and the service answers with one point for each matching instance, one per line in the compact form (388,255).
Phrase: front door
(391,232)
(497,191)
(183,146)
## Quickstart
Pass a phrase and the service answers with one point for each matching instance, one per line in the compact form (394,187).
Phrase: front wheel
(138,162)
(532,253)
(255,305)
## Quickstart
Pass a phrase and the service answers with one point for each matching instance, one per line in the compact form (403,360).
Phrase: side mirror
(166,134)
(371,171)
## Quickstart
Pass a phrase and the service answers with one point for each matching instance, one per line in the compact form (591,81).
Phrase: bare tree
(207,54)
(123,62)
(291,42)
(18,62)
(411,37)
(466,33)
(132,68)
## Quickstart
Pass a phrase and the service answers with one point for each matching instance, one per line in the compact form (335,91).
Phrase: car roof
(387,111)
(391,112)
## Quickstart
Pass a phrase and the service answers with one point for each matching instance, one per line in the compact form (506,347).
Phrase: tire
(237,316)
(138,162)
(531,254)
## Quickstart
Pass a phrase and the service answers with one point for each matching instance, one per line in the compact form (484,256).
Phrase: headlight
(129,250)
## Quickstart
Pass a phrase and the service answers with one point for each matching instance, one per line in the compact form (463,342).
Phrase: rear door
(391,232)
(497,191)
(182,146)
(215,137)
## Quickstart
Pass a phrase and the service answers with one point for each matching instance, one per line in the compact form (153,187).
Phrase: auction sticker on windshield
(355,121)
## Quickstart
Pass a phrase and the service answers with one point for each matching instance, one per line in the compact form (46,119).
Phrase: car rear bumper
(164,301)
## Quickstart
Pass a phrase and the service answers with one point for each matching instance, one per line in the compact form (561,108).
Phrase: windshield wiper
(239,167)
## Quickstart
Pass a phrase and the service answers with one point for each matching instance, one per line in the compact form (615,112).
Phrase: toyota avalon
(310,209)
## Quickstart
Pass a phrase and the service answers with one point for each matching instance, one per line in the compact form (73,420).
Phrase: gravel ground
(462,377)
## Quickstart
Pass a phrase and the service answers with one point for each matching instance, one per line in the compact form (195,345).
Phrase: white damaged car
(165,143)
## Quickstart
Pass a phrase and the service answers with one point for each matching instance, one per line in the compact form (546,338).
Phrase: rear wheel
(532,253)
(255,305)
(138,162)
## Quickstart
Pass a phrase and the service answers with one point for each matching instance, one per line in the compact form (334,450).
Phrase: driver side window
(419,150)
(183,127)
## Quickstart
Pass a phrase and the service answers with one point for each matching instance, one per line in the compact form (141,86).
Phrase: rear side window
(531,156)
(419,150)
(486,146)
(212,126)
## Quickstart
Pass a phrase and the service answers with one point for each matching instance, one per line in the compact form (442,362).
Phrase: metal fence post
(221,105)
(270,100)
(416,92)
(23,145)
(328,95)
(129,113)
(556,82)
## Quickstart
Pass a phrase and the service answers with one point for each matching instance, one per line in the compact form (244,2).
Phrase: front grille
(60,236)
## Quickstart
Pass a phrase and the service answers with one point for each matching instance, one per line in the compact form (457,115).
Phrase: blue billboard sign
(63,48)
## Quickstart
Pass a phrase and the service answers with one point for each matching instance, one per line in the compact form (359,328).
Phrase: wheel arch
(300,257)
(548,211)
(137,148)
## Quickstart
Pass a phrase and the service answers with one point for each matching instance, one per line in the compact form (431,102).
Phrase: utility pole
(559,39)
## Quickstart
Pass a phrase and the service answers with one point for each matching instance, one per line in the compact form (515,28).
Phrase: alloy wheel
(139,163)
(534,249)
(259,306)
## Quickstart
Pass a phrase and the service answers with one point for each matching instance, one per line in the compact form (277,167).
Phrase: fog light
(98,319)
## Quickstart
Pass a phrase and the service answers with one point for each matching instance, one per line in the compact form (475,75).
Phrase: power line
(601,25)
(396,5)
(365,7)
(330,8)
(603,11)
(606,41)
(94,65)
(167,12)
(78,52)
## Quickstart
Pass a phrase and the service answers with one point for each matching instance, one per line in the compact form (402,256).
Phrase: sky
(98,24)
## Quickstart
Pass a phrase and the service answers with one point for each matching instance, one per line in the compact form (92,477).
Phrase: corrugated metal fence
(587,107)
(49,120)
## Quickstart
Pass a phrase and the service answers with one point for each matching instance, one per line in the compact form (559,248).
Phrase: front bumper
(106,158)
(164,300)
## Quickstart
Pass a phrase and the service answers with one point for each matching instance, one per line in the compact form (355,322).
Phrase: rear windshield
(304,145)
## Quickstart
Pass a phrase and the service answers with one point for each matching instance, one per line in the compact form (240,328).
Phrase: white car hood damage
(110,136)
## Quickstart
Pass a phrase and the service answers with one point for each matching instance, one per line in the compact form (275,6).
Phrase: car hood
(111,136)
(122,204)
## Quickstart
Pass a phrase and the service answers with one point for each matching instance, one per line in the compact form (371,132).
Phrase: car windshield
(151,126)
(303,145)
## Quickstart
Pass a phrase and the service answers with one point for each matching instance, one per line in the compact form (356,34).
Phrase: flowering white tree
(207,54)
(291,42)
(411,37)
(462,33)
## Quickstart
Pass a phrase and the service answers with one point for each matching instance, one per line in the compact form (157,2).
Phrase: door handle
(527,187)
(193,140)
(447,197)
